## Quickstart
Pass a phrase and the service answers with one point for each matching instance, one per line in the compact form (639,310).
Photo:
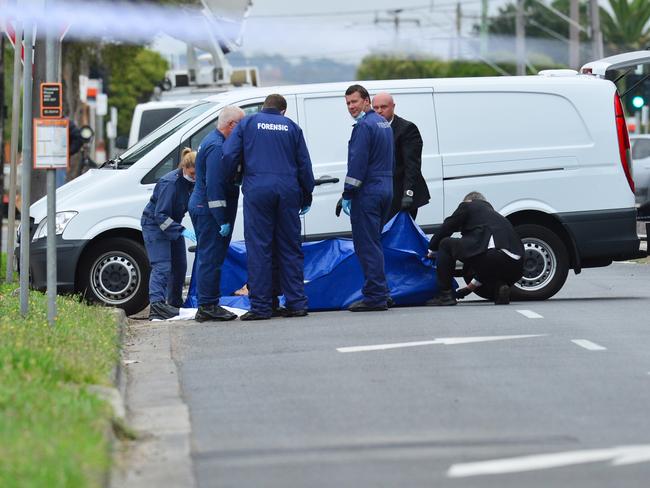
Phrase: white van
(550,152)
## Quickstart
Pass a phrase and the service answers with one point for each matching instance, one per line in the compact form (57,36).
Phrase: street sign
(102,104)
(51,100)
(51,144)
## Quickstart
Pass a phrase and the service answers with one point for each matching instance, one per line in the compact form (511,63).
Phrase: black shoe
(253,316)
(501,294)
(207,313)
(390,303)
(295,313)
(162,311)
(279,312)
(444,299)
(361,306)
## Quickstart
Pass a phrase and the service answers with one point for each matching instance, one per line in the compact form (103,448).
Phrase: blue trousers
(168,266)
(272,234)
(211,251)
(368,215)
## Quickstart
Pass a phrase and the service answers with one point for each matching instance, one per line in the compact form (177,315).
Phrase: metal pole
(51,75)
(484,27)
(15,127)
(25,234)
(520,39)
(574,35)
(520,30)
(596,34)
(2,129)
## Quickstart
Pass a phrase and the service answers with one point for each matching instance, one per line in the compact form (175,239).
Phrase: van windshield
(134,154)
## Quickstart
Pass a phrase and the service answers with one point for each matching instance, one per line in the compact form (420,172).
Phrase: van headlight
(62,219)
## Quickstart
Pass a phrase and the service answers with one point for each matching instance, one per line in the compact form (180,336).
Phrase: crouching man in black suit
(489,245)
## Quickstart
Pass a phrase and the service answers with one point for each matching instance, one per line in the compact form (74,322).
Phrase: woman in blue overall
(164,237)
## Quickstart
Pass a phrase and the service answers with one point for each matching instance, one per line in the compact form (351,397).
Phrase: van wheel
(546,264)
(115,272)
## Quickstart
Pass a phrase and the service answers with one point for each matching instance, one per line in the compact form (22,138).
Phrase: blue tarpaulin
(333,277)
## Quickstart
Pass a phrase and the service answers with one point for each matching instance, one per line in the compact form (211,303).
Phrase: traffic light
(637,92)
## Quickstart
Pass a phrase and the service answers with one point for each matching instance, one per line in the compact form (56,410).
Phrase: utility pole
(52,74)
(484,28)
(574,35)
(596,33)
(26,176)
(459,26)
(520,30)
(39,178)
(15,127)
(396,20)
(2,128)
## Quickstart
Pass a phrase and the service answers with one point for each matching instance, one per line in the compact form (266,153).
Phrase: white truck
(550,152)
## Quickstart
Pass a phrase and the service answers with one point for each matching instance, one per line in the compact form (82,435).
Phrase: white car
(641,166)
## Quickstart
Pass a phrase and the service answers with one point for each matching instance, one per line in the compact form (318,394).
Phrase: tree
(626,29)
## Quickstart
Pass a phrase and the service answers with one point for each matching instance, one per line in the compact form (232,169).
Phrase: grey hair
(474,195)
(228,114)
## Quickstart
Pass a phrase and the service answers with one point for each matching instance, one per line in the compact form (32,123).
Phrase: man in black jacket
(489,245)
(410,191)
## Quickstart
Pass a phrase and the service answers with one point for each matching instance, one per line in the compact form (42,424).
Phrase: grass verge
(52,430)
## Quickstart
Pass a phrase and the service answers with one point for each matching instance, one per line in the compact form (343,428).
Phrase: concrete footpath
(155,411)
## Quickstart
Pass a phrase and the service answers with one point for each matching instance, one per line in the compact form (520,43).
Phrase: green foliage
(627,28)
(52,429)
(134,72)
(376,67)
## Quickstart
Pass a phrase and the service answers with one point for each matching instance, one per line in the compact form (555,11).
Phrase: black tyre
(115,272)
(546,264)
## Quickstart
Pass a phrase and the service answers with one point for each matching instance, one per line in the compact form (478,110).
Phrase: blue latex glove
(225,230)
(189,234)
(304,210)
(347,206)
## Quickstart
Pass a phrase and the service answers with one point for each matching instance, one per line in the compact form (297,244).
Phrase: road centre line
(592,346)
(617,456)
(530,314)
(448,341)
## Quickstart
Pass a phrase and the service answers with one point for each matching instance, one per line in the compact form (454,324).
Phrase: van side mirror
(122,142)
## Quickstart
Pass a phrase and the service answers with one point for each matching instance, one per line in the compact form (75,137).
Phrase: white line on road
(449,341)
(619,456)
(592,346)
(530,314)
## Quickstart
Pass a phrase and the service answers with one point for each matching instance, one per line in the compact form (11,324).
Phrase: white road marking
(592,346)
(619,456)
(530,314)
(449,341)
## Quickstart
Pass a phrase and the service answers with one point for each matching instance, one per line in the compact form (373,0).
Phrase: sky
(346,31)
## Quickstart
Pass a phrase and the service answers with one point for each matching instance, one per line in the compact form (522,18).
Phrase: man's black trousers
(489,267)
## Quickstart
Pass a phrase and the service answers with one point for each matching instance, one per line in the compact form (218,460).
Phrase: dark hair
(357,89)
(275,101)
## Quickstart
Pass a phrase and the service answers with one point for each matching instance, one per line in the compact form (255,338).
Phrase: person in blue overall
(277,184)
(164,238)
(368,193)
(213,209)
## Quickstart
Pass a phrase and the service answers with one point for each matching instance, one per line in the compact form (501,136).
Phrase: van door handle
(323,180)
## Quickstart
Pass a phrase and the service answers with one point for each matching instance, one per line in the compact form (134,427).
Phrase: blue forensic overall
(369,186)
(278,181)
(213,202)
(161,228)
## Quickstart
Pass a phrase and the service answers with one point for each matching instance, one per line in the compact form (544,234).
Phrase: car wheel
(115,272)
(546,263)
